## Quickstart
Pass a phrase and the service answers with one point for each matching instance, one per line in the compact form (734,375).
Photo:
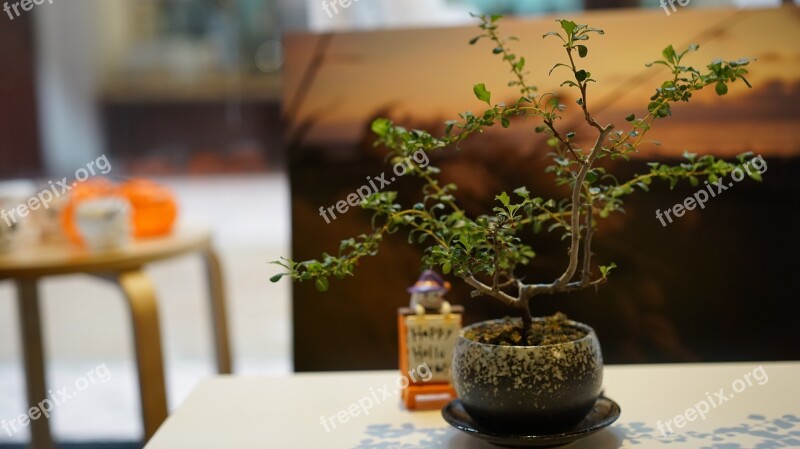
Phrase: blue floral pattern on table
(772,433)
(387,436)
(763,433)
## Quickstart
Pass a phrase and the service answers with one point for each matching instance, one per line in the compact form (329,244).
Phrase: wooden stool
(125,268)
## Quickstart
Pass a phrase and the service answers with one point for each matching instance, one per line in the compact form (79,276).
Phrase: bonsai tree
(485,251)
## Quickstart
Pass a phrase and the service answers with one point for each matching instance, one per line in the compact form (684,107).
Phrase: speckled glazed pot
(525,389)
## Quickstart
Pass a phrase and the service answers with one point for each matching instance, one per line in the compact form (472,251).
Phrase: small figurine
(427,294)
(427,331)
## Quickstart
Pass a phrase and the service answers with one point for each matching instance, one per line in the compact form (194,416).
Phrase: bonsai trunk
(525,313)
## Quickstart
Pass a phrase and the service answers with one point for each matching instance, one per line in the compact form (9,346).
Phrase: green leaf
(606,269)
(721,88)
(285,265)
(669,53)
(495,17)
(756,176)
(446,268)
(504,198)
(650,64)
(581,75)
(497,50)
(522,191)
(568,26)
(448,128)
(381,126)
(555,66)
(740,157)
(321,284)
(630,117)
(504,121)
(482,94)
(277,277)
(475,39)
(582,50)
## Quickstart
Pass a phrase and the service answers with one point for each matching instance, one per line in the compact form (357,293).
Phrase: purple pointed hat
(429,281)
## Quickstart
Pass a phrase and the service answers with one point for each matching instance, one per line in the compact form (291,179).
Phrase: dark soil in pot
(510,387)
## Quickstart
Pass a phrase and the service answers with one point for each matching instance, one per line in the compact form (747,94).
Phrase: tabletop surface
(755,405)
(48,259)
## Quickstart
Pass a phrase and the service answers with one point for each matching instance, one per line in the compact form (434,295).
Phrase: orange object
(153,205)
(421,395)
(82,191)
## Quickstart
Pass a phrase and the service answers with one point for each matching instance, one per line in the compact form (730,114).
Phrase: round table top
(52,259)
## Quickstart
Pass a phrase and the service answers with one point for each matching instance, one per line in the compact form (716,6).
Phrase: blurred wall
(19,134)
(707,288)
(67,49)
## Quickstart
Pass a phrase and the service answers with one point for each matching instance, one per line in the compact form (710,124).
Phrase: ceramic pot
(527,389)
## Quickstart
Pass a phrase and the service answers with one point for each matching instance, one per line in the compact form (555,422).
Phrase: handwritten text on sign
(430,339)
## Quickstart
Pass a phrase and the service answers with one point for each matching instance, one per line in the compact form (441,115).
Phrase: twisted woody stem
(564,283)
(525,292)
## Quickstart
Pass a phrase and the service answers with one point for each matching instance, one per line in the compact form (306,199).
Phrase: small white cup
(104,223)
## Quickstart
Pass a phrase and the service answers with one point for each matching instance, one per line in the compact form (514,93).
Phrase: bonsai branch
(489,291)
(549,289)
(488,245)
(574,247)
(587,242)
(521,302)
(550,125)
(582,83)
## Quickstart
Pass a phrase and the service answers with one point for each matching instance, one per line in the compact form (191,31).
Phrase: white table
(250,413)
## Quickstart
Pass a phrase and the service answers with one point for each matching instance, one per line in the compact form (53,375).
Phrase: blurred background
(253,113)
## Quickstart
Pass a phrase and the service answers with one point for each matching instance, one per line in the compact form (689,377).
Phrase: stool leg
(28,300)
(218,313)
(140,293)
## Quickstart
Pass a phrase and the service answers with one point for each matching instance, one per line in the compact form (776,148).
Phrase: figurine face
(429,300)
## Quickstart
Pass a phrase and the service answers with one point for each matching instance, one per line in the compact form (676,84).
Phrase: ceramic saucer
(603,414)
